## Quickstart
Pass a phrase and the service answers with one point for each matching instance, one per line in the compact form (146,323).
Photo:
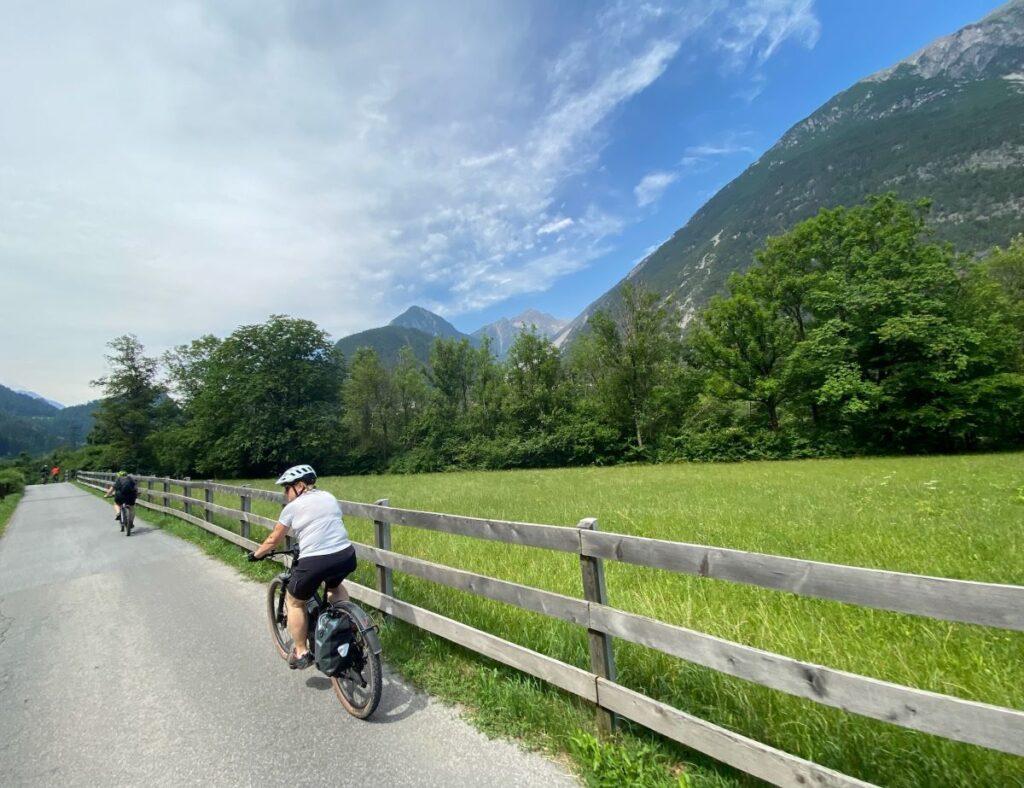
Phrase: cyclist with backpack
(125,490)
(325,552)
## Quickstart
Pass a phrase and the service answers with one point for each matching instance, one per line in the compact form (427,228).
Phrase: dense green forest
(854,333)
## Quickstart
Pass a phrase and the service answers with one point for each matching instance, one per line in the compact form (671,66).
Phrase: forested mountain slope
(33,425)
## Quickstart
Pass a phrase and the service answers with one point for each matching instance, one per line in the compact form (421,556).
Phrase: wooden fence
(987,604)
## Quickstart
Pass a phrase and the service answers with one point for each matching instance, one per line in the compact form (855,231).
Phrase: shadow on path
(397,700)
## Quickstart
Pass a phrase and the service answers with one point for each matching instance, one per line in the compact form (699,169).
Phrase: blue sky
(181,168)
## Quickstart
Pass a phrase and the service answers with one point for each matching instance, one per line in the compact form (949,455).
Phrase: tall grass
(958,517)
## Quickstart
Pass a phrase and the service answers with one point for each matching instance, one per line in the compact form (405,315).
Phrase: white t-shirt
(315,519)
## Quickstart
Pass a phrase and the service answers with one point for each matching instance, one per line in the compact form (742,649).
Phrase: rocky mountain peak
(426,321)
(990,47)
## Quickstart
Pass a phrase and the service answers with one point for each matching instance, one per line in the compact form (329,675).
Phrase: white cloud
(755,29)
(651,187)
(186,167)
(555,225)
(720,149)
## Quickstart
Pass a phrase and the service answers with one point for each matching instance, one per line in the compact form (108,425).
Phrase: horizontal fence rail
(986,604)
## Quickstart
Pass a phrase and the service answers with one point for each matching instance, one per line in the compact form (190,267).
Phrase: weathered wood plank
(382,540)
(767,763)
(548,603)
(602,655)
(171,496)
(988,604)
(572,679)
(954,718)
(255,492)
(235,514)
(223,533)
(552,537)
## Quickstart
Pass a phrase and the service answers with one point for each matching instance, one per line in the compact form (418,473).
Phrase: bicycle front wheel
(359,686)
(277,618)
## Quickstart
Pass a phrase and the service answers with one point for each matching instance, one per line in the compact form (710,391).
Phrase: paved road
(141,661)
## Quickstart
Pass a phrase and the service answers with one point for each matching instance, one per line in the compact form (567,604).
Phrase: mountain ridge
(417,328)
(32,425)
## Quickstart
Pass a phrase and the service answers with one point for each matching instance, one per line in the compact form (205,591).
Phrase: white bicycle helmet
(297,473)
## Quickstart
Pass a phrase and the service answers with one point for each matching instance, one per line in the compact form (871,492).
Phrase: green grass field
(959,517)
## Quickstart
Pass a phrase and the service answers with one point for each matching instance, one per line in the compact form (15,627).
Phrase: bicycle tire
(129,519)
(359,687)
(277,618)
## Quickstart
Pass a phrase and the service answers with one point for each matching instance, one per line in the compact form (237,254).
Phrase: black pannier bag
(335,642)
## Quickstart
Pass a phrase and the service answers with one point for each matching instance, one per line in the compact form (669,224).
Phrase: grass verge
(7,506)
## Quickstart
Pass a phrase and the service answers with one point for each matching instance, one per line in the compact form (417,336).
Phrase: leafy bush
(11,482)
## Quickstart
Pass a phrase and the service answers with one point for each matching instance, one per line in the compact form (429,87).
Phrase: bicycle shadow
(397,702)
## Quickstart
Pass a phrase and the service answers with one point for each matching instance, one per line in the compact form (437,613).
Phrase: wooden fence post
(167,489)
(208,497)
(187,490)
(382,541)
(602,657)
(246,507)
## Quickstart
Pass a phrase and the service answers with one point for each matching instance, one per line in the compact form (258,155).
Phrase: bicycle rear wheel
(277,618)
(129,519)
(359,686)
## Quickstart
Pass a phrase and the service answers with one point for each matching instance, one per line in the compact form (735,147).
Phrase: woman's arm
(268,544)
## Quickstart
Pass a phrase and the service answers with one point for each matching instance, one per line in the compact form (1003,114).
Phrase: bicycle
(127,518)
(358,686)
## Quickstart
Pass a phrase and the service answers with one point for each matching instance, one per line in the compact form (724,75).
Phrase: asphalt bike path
(140,660)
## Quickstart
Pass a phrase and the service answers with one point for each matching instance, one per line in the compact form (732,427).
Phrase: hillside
(388,341)
(945,123)
(33,426)
(15,403)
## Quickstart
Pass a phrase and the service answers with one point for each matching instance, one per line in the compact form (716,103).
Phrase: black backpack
(336,646)
(127,487)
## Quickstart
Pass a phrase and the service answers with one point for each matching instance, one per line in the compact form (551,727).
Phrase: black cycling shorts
(309,573)
(121,499)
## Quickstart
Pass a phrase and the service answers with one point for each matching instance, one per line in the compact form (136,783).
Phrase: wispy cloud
(651,187)
(755,29)
(719,149)
(555,226)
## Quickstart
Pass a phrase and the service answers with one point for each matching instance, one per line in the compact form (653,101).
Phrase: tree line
(853,333)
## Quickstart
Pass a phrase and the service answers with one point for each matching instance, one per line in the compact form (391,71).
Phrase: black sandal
(300,663)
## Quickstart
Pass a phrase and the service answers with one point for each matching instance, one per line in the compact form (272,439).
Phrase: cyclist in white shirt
(325,553)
